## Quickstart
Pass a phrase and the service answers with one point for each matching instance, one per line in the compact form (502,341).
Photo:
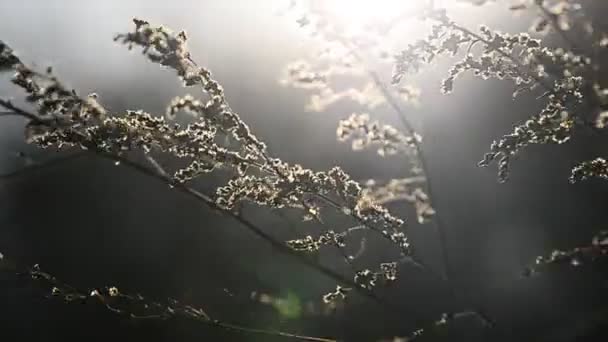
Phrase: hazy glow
(365,10)
(361,12)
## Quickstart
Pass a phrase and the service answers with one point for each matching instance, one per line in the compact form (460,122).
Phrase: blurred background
(92,223)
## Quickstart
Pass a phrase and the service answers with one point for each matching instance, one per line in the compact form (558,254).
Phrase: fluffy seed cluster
(368,279)
(575,257)
(301,74)
(216,138)
(555,15)
(410,190)
(7,58)
(344,53)
(339,294)
(515,57)
(554,124)
(597,167)
(55,104)
(365,133)
(310,244)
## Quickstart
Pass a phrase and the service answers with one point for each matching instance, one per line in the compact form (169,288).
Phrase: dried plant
(575,257)
(566,76)
(63,119)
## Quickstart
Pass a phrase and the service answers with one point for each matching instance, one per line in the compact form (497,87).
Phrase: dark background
(92,223)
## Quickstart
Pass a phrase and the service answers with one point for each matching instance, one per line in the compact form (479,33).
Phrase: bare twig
(409,127)
(41,165)
(16,111)
(138,307)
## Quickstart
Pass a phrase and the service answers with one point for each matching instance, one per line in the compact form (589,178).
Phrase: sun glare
(363,12)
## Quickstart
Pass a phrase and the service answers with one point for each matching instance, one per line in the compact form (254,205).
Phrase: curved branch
(130,305)
(38,166)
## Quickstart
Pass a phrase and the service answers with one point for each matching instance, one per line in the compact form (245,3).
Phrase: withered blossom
(574,257)
(64,119)
(365,133)
(515,57)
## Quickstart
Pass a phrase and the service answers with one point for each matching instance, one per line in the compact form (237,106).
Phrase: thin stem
(438,222)
(38,166)
(159,174)
(409,127)
(275,171)
(338,207)
(209,202)
(230,326)
(16,111)
(281,247)
(156,310)
(338,248)
(162,176)
(9,113)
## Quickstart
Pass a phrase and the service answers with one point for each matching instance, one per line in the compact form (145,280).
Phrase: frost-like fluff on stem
(574,257)
(518,58)
(64,119)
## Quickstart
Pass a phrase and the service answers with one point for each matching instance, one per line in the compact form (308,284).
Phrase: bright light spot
(365,12)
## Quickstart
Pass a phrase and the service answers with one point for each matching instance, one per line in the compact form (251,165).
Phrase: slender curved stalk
(438,222)
(39,166)
(162,176)
(16,111)
(157,311)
